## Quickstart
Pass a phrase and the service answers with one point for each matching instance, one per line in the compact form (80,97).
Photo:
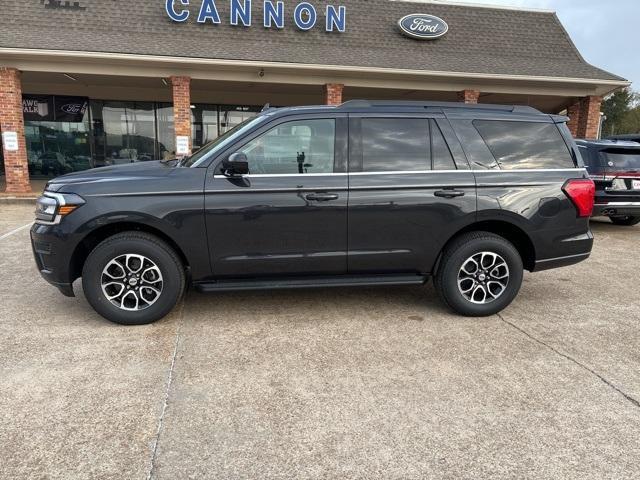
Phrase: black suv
(365,193)
(614,166)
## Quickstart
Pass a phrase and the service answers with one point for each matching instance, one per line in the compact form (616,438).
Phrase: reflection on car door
(289,214)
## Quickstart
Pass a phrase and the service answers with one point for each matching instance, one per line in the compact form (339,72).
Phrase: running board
(309,282)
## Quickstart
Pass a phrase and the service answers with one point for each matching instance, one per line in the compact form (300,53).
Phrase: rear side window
(520,145)
(395,144)
(622,159)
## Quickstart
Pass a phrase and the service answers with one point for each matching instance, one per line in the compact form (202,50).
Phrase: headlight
(51,207)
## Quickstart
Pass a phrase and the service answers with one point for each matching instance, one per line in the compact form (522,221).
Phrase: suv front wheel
(133,278)
(480,274)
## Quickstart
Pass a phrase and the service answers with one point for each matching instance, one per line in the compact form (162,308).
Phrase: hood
(106,177)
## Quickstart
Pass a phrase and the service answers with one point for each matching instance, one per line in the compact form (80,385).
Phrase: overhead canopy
(490,49)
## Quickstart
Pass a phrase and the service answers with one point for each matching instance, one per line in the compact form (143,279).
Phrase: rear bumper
(568,251)
(557,262)
(616,208)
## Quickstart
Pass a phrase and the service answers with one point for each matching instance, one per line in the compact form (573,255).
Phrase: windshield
(221,142)
(622,159)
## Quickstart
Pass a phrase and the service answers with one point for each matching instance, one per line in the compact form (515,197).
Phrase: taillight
(581,192)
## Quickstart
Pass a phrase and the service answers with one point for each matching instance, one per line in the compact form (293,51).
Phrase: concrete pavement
(338,383)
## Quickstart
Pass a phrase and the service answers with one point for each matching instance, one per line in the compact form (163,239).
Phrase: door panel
(398,223)
(275,224)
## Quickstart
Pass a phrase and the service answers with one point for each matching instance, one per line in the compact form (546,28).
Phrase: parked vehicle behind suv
(365,193)
(615,168)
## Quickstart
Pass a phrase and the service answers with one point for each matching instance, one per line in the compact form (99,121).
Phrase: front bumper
(52,253)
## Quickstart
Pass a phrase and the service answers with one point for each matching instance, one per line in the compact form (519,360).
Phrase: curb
(18,200)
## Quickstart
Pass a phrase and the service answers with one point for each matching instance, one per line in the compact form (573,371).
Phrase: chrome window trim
(399,172)
(618,204)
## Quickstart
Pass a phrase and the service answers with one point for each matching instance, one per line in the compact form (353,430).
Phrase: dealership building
(99,82)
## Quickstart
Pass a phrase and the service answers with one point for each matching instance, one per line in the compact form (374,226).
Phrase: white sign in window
(182,145)
(10,141)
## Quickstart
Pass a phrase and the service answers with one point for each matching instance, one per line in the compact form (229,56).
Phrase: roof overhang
(103,63)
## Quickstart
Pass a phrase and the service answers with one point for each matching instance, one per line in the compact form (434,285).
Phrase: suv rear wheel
(133,278)
(479,275)
(628,220)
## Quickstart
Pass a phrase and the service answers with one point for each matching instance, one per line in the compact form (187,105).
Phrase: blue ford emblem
(423,26)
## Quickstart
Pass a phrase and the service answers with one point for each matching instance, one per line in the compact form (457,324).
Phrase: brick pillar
(469,96)
(589,120)
(16,166)
(333,93)
(573,112)
(182,107)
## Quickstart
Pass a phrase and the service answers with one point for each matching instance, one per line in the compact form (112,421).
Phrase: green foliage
(622,113)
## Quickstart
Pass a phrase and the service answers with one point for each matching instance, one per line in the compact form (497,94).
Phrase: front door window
(300,147)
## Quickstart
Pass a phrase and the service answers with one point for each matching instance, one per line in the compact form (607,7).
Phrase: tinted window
(517,145)
(303,146)
(623,160)
(395,144)
(440,153)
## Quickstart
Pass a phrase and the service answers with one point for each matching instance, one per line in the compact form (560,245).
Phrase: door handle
(321,197)
(449,193)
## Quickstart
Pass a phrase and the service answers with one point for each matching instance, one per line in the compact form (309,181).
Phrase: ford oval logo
(423,26)
(72,108)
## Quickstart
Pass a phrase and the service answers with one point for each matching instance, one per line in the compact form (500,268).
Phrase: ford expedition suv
(614,166)
(364,193)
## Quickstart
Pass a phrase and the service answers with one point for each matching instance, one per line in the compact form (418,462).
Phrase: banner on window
(49,108)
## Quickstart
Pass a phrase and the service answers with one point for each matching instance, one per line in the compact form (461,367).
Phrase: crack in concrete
(165,403)
(628,397)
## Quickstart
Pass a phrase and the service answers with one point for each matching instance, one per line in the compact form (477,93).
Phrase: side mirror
(236,164)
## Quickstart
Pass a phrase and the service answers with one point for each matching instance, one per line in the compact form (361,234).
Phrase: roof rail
(431,104)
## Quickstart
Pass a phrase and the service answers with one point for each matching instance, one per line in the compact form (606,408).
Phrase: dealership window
(519,145)
(232,115)
(56,134)
(123,132)
(66,134)
(204,124)
(305,146)
(395,144)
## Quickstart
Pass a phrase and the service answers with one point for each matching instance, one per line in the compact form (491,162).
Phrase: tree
(616,107)
(631,121)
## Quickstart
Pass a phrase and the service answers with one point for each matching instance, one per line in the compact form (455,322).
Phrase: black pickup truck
(365,193)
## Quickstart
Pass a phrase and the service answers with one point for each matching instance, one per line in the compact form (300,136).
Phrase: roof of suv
(363,106)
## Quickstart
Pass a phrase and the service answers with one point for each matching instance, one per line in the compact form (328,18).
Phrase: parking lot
(336,383)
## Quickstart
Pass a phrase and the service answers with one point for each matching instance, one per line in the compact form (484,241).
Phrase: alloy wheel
(483,277)
(132,282)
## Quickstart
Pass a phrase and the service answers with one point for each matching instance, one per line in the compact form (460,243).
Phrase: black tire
(457,253)
(626,221)
(136,243)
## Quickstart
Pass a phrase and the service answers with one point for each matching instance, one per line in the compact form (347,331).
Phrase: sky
(607,32)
